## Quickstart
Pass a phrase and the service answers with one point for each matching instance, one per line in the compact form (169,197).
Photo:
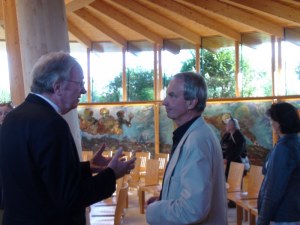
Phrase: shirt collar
(54,106)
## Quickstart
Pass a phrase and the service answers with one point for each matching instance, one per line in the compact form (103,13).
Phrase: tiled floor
(133,217)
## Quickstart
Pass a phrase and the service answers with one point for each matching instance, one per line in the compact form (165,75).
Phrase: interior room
(247,51)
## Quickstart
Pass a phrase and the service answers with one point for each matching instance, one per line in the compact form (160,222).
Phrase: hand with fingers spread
(99,162)
(119,166)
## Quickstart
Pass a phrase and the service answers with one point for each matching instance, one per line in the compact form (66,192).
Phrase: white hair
(235,121)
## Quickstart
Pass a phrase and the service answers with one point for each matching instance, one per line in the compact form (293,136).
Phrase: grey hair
(50,68)
(194,88)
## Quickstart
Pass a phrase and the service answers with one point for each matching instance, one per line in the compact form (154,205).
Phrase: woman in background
(233,144)
(279,197)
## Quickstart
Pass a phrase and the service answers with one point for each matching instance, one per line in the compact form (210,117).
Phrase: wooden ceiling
(105,25)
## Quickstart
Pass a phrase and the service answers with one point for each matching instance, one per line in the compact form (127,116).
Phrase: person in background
(279,196)
(44,181)
(5,108)
(233,144)
(193,190)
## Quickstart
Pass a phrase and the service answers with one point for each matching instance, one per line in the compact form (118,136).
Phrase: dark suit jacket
(44,182)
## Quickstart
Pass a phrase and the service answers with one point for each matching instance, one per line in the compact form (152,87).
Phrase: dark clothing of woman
(279,197)
(233,147)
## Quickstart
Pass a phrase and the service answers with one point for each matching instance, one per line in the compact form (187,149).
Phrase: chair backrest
(163,159)
(107,153)
(143,156)
(121,204)
(235,177)
(135,173)
(87,155)
(152,172)
(127,155)
(255,180)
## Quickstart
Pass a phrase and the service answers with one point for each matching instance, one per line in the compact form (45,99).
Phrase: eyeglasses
(81,83)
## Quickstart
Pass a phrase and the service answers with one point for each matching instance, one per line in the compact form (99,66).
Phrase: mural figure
(122,121)
(87,122)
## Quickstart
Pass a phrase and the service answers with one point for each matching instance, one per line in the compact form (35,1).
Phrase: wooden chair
(255,178)
(104,216)
(235,177)
(143,156)
(163,159)
(133,178)
(242,206)
(151,182)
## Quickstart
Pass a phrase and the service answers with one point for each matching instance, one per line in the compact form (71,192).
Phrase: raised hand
(98,162)
(119,166)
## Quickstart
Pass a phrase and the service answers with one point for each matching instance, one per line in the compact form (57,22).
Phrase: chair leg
(142,201)
(252,219)
(239,214)
(246,215)
(127,201)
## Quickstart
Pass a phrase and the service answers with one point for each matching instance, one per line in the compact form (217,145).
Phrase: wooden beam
(1,13)
(239,15)
(113,35)
(163,21)
(78,34)
(124,19)
(17,90)
(276,9)
(73,5)
(199,18)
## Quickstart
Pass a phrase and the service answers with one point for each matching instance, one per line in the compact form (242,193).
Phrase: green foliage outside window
(139,87)
(112,93)
(218,70)
(5,96)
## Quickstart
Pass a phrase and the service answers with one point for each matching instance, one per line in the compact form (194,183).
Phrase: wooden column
(42,29)
(155,50)
(13,48)
(237,69)
(274,86)
(124,76)
(198,66)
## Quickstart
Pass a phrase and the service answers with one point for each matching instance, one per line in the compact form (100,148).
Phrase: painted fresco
(166,128)
(252,119)
(129,126)
(133,126)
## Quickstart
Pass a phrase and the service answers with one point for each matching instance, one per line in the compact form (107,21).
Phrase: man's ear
(191,104)
(57,87)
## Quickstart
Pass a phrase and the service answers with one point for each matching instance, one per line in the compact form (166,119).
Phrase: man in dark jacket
(44,181)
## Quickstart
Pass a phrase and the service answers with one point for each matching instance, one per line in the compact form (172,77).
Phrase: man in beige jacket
(193,189)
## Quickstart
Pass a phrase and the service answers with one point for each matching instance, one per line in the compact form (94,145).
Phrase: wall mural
(132,126)
(254,125)
(129,126)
